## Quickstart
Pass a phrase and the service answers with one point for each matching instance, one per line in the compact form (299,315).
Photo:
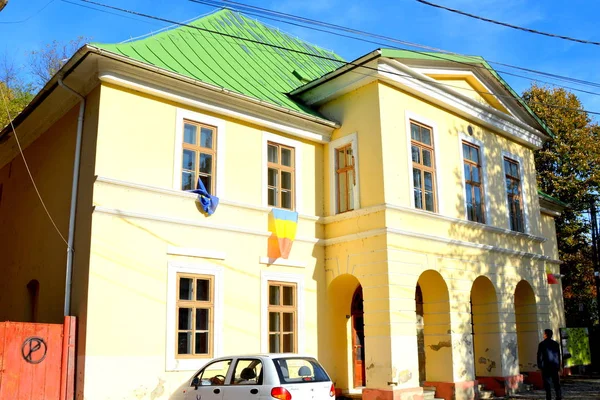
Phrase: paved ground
(574,388)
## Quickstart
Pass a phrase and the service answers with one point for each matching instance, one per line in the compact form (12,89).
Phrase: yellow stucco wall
(30,247)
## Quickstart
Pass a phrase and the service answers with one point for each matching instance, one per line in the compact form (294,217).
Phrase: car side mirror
(196,382)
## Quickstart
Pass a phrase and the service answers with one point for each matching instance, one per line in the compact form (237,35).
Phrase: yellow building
(422,243)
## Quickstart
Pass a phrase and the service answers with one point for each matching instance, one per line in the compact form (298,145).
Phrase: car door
(246,381)
(209,382)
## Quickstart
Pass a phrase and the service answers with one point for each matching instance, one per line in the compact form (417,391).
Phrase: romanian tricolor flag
(551,277)
(282,225)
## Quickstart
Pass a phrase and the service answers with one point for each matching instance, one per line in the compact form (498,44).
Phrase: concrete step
(429,392)
(486,394)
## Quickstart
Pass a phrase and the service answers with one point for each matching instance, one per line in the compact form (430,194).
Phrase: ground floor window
(283,313)
(195,316)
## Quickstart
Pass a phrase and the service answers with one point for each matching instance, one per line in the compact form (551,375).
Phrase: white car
(260,377)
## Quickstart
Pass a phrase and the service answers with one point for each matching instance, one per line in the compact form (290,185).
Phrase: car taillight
(281,393)
(332,391)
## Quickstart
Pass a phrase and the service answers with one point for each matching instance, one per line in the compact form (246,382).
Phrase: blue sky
(402,19)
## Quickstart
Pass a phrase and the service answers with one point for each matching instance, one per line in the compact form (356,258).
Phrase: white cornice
(429,89)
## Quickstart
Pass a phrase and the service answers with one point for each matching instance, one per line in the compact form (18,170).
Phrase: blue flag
(209,202)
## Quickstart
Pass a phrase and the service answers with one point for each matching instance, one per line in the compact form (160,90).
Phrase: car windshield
(299,370)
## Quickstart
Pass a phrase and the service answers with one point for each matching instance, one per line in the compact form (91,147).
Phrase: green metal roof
(433,56)
(552,199)
(225,49)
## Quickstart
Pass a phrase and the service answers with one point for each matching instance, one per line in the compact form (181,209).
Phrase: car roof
(269,355)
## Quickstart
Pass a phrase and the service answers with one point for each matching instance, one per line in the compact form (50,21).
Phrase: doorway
(420,335)
(358,338)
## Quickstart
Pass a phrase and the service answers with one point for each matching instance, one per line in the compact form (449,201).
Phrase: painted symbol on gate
(34,350)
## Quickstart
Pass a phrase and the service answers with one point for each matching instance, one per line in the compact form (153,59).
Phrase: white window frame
(173,268)
(463,137)
(219,175)
(411,116)
(333,193)
(524,190)
(298,279)
(297,145)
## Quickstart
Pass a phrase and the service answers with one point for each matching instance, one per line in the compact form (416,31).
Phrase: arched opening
(358,338)
(345,327)
(420,335)
(485,325)
(527,327)
(33,290)
(436,330)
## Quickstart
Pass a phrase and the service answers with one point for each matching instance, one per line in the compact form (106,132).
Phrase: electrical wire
(5,100)
(344,63)
(520,28)
(264,11)
(106,12)
(31,16)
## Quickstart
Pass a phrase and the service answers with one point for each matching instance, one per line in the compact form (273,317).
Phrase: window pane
(273,177)
(288,343)
(429,201)
(343,192)
(286,199)
(274,343)
(201,343)
(206,181)
(414,132)
(469,193)
(202,290)
(188,180)
(475,171)
(286,157)
(274,295)
(427,158)
(288,296)
(206,138)
(428,181)
(186,286)
(205,163)
(467,169)
(202,315)
(475,155)
(506,166)
(341,158)
(417,178)
(286,180)
(185,319)
(514,170)
(466,151)
(416,154)
(272,154)
(418,198)
(288,322)
(349,159)
(273,197)
(274,322)
(189,160)
(189,133)
(425,136)
(184,343)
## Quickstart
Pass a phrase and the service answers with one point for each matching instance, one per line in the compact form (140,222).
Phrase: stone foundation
(454,390)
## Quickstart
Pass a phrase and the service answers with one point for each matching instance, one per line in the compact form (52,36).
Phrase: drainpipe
(76,162)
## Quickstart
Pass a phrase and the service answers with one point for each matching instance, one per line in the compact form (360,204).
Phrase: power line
(509,25)
(5,100)
(244,7)
(263,11)
(31,16)
(106,12)
(341,62)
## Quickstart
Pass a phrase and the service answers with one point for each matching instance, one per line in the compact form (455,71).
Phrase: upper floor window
(195,309)
(345,178)
(423,166)
(473,182)
(283,312)
(280,175)
(514,195)
(199,156)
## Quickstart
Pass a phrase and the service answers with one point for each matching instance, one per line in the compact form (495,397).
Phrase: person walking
(549,361)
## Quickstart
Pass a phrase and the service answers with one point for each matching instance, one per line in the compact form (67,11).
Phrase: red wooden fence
(37,361)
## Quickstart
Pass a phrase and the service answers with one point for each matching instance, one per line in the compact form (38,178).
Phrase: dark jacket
(548,355)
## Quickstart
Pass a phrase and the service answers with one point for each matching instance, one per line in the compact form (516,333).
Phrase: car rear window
(299,370)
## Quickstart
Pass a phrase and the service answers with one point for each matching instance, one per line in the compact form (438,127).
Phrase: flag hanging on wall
(551,277)
(282,225)
(209,203)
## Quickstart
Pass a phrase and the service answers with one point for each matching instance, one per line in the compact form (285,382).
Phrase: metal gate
(37,361)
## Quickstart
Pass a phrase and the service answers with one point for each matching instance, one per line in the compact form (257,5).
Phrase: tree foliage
(568,168)
(47,61)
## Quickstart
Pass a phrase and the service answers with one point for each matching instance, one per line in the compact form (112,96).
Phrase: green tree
(568,168)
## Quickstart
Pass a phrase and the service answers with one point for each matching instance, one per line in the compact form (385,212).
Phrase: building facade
(421,248)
